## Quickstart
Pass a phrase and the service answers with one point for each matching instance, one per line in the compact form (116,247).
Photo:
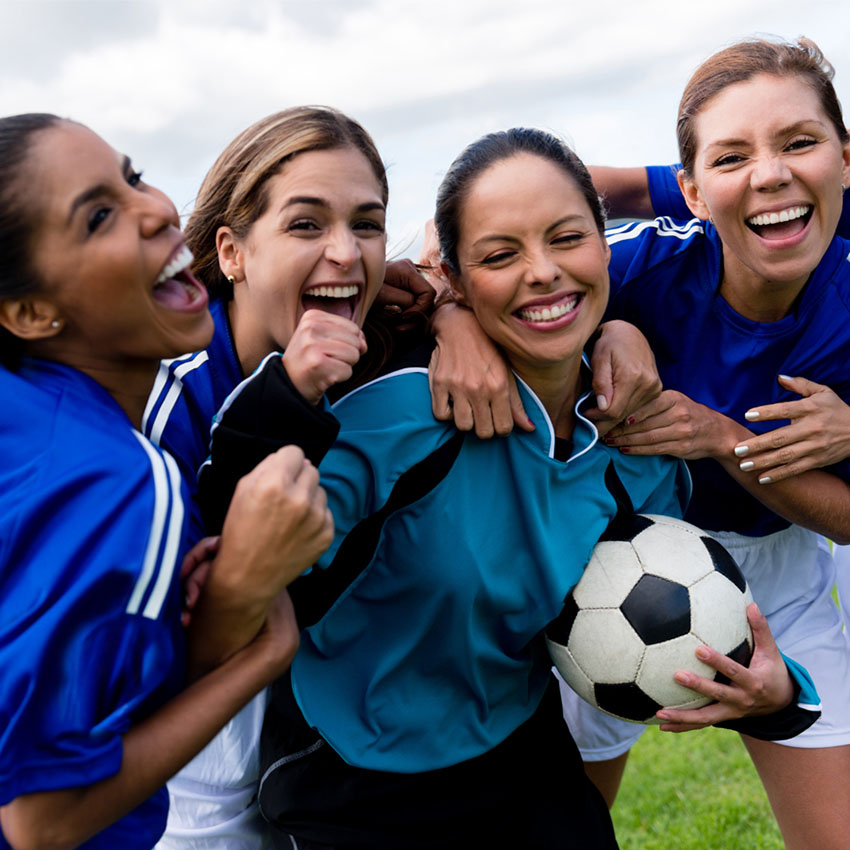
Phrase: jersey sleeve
(263,414)
(387,428)
(664,192)
(89,616)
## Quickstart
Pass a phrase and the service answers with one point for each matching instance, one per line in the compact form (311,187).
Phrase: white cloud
(172,81)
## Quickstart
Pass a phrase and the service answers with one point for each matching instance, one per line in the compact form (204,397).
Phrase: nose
(342,248)
(769,174)
(541,269)
(156,212)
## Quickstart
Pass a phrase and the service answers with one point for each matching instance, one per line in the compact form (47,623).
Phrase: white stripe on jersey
(161,377)
(171,397)
(166,482)
(172,543)
(664,225)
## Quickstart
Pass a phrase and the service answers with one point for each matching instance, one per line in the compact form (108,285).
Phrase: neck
(755,297)
(250,343)
(128,382)
(558,387)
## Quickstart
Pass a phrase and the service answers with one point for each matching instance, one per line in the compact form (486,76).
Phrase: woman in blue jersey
(421,711)
(757,288)
(94,717)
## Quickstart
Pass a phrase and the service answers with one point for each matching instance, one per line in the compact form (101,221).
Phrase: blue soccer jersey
(665,278)
(92,534)
(185,397)
(667,198)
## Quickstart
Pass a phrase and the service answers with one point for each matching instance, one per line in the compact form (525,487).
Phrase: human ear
(455,287)
(693,196)
(30,318)
(230,255)
(845,165)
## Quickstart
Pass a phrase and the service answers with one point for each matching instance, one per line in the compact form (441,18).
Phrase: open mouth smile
(339,299)
(176,288)
(781,224)
(551,312)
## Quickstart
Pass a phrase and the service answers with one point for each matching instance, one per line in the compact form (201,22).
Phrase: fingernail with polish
(631,420)
(751,415)
(746,465)
(765,480)
(602,402)
(740,451)
(786,377)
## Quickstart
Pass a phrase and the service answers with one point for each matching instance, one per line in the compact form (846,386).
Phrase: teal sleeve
(386,427)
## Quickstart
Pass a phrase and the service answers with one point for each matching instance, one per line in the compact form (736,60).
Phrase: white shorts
(842,580)
(791,575)
(212,802)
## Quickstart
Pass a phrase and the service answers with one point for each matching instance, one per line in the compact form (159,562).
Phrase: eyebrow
(321,202)
(95,191)
(499,237)
(783,131)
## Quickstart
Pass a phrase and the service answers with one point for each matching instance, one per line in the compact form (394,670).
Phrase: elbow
(23,833)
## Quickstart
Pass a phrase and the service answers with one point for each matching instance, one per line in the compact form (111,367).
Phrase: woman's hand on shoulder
(818,434)
(763,687)
(322,352)
(625,377)
(674,424)
(469,379)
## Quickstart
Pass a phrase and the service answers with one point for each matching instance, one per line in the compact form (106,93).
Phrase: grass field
(694,791)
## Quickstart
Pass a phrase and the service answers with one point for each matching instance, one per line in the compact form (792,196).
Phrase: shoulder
(663,235)
(403,391)
(188,390)
(89,494)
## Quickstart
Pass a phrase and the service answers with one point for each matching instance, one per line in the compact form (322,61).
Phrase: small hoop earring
(843,187)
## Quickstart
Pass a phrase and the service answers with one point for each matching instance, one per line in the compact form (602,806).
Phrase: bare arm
(156,748)
(624,190)
(675,424)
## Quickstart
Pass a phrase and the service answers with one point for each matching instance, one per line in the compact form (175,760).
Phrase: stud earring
(231,280)
(56,324)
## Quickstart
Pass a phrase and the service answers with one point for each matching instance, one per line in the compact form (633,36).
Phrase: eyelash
(305,224)
(565,239)
(734,158)
(100,214)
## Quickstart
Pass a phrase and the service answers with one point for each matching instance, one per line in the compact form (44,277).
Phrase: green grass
(693,791)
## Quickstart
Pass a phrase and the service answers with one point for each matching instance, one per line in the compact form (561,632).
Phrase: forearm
(624,190)
(153,751)
(815,500)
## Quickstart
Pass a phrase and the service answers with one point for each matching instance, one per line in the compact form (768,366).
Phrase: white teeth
(548,314)
(775,218)
(181,260)
(333,291)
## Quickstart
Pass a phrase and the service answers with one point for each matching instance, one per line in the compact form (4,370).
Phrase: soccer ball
(655,589)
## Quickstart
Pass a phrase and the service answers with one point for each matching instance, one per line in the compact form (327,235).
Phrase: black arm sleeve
(262,415)
(779,726)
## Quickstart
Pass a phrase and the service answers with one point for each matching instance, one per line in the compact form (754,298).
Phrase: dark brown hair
(234,192)
(488,150)
(17,216)
(741,62)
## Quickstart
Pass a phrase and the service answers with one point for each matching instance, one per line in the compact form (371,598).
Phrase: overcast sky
(170,82)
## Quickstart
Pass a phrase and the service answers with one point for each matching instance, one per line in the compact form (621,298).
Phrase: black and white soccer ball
(656,588)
